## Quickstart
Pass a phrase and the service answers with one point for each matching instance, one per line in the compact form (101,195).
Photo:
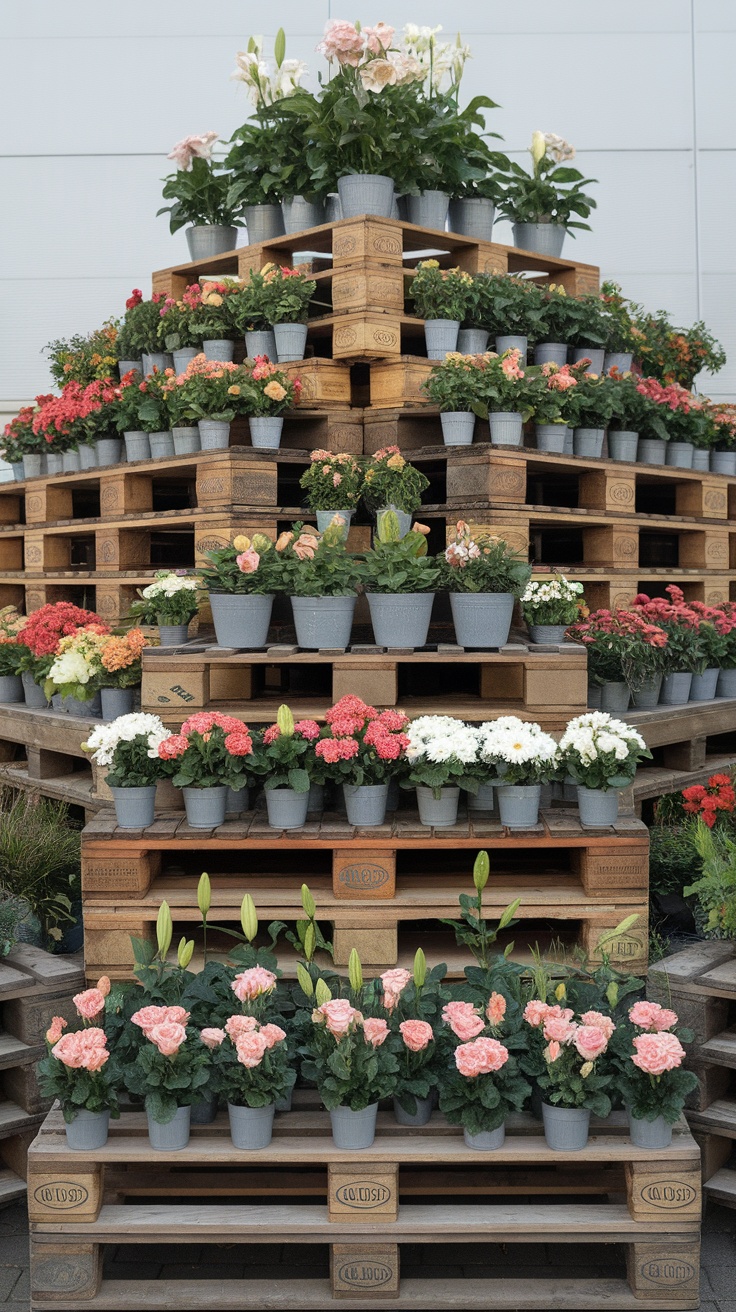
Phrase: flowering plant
(504,386)
(346,1054)
(251,1061)
(503,304)
(171,1067)
(554,601)
(680,623)
(593,403)
(441,752)
(209,750)
(170,599)
(723,425)
(623,647)
(120,660)
(282,294)
(284,754)
(552,192)
(519,751)
(177,326)
(248,565)
(316,564)
(14,653)
(84,359)
(270,391)
(565,1053)
(75,1068)
(485,1084)
(200,193)
(396,564)
(79,415)
(153,411)
(453,384)
(389,480)
(706,800)
(601,752)
(636,411)
(440,293)
(674,355)
(482,562)
(77,664)
(44,629)
(557,314)
(268,159)
(650,1056)
(128,746)
(332,482)
(554,392)
(412,1001)
(362,746)
(19,437)
(139,329)
(210,307)
(211,389)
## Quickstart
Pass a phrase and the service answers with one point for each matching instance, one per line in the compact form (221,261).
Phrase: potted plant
(541,204)
(391,483)
(12,651)
(654,432)
(399,579)
(484,577)
(589,326)
(441,758)
(441,297)
(555,326)
(510,308)
(506,395)
(649,1067)
(138,337)
(120,672)
(127,418)
(269,394)
(241,581)
(171,602)
(626,655)
(622,336)
(484,1085)
(552,396)
(252,1065)
(714,643)
(284,303)
(211,307)
(601,755)
(524,758)
(454,386)
(75,669)
(20,441)
(84,359)
(210,753)
(75,1070)
(42,633)
(472,338)
(212,393)
(128,747)
(630,418)
(566,1059)
(682,652)
(284,759)
(591,406)
(550,606)
(177,329)
(363,751)
(412,1001)
(201,197)
(320,576)
(40,859)
(723,438)
(249,318)
(154,415)
(170,1071)
(333,484)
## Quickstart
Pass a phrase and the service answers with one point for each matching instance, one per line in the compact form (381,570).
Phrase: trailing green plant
(40,858)
(552,192)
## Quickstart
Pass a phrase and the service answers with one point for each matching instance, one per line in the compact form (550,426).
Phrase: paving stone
(722,1278)
(9,1280)
(23,1288)
(14,1249)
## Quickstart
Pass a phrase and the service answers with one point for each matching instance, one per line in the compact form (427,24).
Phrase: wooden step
(721,1050)
(720,1117)
(13,1052)
(721,1187)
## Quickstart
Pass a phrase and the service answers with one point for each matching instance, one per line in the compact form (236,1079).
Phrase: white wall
(94,95)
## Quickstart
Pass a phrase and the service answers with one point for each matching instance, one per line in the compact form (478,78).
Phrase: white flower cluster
(265,85)
(440,59)
(167,585)
(557,588)
(440,738)
(71,667)
(105,737)
(515,742)
(598,734)
(558,149)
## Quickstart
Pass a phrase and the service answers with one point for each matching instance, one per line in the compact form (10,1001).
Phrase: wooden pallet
(363,1208)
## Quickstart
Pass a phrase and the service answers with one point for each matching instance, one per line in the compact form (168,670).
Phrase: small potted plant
(75,1070)
(241,581)
(623,335)
(42,633)
(590,408)
(284,760)
(177,330)
(441,758)
(363,750)
(211,311)
(601,755)
(391,483)
(588,331)
(507,396)
(630,417)
(553,388)
(511,309)
(441,297)
(285,298)
(681,655)
(12,652)
(333,484)
(269,394)
(723,438)
(321,577)
(654,432)
(128,747)
(454,386)
(550,606)
(412,1001)
(524,758)
(213,392)
(649,1067)
(252,1065)
(541,204)
(399,579)
(19,440)
(484,1085)
(249,317)
(128,419)
(626,656)
(171,602)
(153,413)
(210,754)
(120,672)
(170,1071)
(484,577)
(568,1059)
(75,670)
(201,197)
(555,326)
(715,646)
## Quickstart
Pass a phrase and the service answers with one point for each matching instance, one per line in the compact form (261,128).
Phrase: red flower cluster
(57,415)
(134,299)
(674,611)
(707,801)
(673,396)
(46,627)
(619,623)
(237,736)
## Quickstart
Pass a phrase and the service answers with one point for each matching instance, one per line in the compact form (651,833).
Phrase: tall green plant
(39,858)
(716,887)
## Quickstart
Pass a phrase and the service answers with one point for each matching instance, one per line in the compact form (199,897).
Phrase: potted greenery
(555,326)
(552,390)
(138,338)
(591,406)
(170,1070)
(242,580)
(484,1085)
(399,579)
(549,607)
(251,1061)
(284,303)
(180,394)
(202,198)
(654,429)
(12,651)
(284,760)
(441,758)
(540,204)
(524,758)
(40,866)
(269,394)
(589,327)
(441,297)
(177,331)
(391,483)
(210,754)
(649,1056)
(681,624)
(567,1059)
(255,148)
(153,412)
(601,755)
(320,576)
(128,747)
(119,672)
(507,397)
(511,310)
(484,577)
(171,602)
(722,438)
(76,1071)
(127,418)
(362,753)
(622,336)
(248,314)
(472,338)
(453,386)
(333,484)
(19,440)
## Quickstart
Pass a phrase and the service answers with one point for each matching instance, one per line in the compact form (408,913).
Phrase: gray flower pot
(486,1140)
(550,353)
(205,807)
(11,688)
(173,1135)
(162,445)
(366,193)
(593,353)
(81,710)
(54,463)
(237,800)
(353,1130)
(57,703)
(291,341)
(186,441)
(265,431)
(365,805)
(721,462)
(676,688)
(652,451)
(588,442)
(441,337)
(135,808)
(420,1117)
(18,471)
(518,805)
(598,807)
(439,812)
(172,635)
(300,214)
(32,465)
(472,341)
(566,1129)
(160,360)
(137,446)
(241,619)
(623,444)
(551,438)
(549,634)
(262,342)
(204,1112)
(620,360)
(218,348)
(513,342)
(333,208)
(183,357)
(34,696)
(284,1104)
(726,686)
(251,1127)
(71,462)
(472,216)
(429,209)
(650,1134)
(125,366)
(403,516)
(208,239)
(115,702)
(325,518)
(506,428)
(323,621)
(88,458)
(569,448)
(595,696)
(646,697)
(214,434)
(316,800)
(263,222)
(701,459)
(680,455)
(703,686)
(482,800)
(615,698)
(400,619)
(286,809)
(88,1130)
(458,427)
(482,619)
(109,451)
(542,238)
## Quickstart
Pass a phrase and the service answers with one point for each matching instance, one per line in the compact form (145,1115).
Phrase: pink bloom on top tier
(481,1057)
(657,1053)
(251,983)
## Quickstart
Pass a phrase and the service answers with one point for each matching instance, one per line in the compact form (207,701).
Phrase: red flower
(134,299)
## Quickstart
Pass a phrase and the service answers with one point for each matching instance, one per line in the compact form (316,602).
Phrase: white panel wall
(94,95)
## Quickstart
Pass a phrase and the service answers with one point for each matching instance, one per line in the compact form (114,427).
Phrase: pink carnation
(90,1003)
(56,1029)
(250,1048)
(590,1041)
(394,982)
(651,1016)
(535,1012)
(236,1026)
(417,1034)
(251,983)
(597,1018)
(375,1031)
(147,1017)
(273,1034)
(657,1053)
(463,1019)
(560,1029)
(339,1017)
(173,746)
(211,1037)
(168,1037)
(308,729)
(481,1057)
(496,1009)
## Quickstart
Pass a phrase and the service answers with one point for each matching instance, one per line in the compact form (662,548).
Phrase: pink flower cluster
(481,1057)
(589,1036)
(463,1019)
(340,1018)
(237,739)
(250,1038)
(250,984)
(394,982)
(651,1016)
(82,1049)
(163,1026)
(353,724)
(308,729)
(657,1053)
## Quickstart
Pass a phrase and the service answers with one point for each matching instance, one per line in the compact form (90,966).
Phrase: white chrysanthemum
(105,737)
(70,667)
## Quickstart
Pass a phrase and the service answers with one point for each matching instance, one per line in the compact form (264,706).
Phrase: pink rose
(496,1009)
(251,983)
(559,1028)
(417,1034)
(248,561)
(481,1057)
(235,1026)
(535,1012)
(273,1034)
(341,41)
(89,1004)
(651,1016)
(597,1018)
(69,1050)
(191,148)
(250,1048)
(463,1019)
(339,1017)
(168,1037)
(590,1041)
(394,982)
(657,1053)
(375,1031)
(212,1038)
(378,38)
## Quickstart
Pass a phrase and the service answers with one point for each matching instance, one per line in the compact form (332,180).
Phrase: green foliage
(672,856)
(167,1083)
(325,569)
(453,384)
(132,767)
(153,409)
(396,564)
(349,1072)
(507,306)
(200,195)
(282,294)
(284,759)
(472,931)
(588,321)
(259,1086)
(139,329)
(39,858)
(563,1085)
(389,480)
(715,889)
(497,567)
(484,1102)
(79,1089)
(318,481)
(440,293)
(12,911)
(551,193)
(593,403)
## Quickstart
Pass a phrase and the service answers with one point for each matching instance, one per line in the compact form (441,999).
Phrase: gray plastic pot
(550,353)
(676,688)
(623,444)
(366,193)
(551,438)
(420,1117)
(208,239)
(54,462)
(680,455)
(32,465)
(482,619)
(11,688)
(35,697)
(183,357)
(400,619)
(620,360)
(441,337)
(615,698)
(595,354)
(703,686)
(137,445)
(365,805)
(506,428)
(518,805)
(71,461)
(550,634)
(135,808)
(172,635)
(263,222)
(594,696)
(81,710)
(429,209)
(162,445)
(241,619)
(353,1130)
(482,800)
(726,686)
(566,1129)
(219,349)
(205,807)
(286,808)
(88,457)
(325,518)
(57,703)
(513,342)
(403,516)
(291,341)
(472,341)
(88,1130)
(214,434)
(598,807)
(652,451)
(115,702)
(588,442)
(543,238)
(646,697)
(472,216)
(265,431)
(251,1127)
(300,214)
(186,440)
(18,471)
(236,800)
(323,621)
(204,1112)
(701,459)
(125,366)
(316,800)
(261,342)
(109,451)
(486,1140)
(160,360)
(721,462)
(439,812)
(173,1135)
(650,1134)
(458,427)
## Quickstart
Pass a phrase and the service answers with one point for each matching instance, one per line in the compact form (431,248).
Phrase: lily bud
(304,980)
(388,527)
(310,941)
(248,917)
(420,969)
(204,894)
(560,992)
(164,929)
(538,148)
(322,993)
(308,902)
(481,871)
(355,971)
(509,914)
(586,1069)
(612,993)
(185,953)
(285,721)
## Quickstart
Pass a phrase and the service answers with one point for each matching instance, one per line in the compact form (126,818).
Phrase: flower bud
(308,902)
(612,993)
(420,969)
(538,148)
(561,992)
(304,979)
(248,917)
(481,871)
(185,953)
(241,542)
(285,721)
(322,993)
(164,929)
(355,971)
(204,892)
(586,1069)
